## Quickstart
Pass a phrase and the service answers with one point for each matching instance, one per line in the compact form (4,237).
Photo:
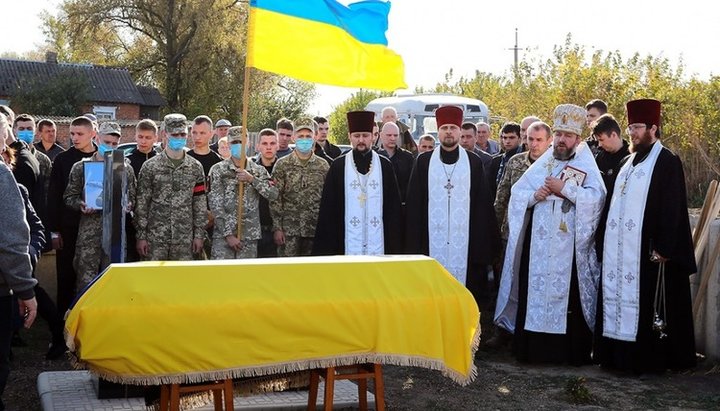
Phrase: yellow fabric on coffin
(178,322)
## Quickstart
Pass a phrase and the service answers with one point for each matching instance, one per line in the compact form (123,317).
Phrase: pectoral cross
(449,187)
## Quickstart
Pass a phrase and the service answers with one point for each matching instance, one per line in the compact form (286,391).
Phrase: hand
(28,309)
(244,176)
(197,245)
(85,209)
(657,258)
(555,185)
(279,237)
(210,220)
(234,243)
(57,241)
(542,193)
(142,248)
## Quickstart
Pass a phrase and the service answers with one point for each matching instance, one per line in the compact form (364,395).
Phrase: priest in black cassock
(449,214)
(360,206)
(646,324)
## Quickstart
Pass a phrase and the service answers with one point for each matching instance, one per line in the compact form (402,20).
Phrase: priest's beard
(362,149)
(643,145)
(562,152)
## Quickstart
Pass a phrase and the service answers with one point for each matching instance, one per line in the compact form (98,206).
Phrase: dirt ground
(502,384)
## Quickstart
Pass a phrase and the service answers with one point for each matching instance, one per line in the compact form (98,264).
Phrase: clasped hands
(552,185)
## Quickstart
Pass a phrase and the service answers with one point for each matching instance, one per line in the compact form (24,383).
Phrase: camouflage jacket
(171,206)
(90,228)
(300,184)
(515,167)
(223,198)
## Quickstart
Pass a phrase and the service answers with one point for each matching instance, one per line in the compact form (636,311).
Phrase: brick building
(113,93)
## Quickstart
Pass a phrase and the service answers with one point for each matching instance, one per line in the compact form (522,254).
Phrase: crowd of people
(568,238)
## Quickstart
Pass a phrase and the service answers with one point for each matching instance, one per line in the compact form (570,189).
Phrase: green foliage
(63,95)
(691,108)
(192,50)
(338,119)
(578,392)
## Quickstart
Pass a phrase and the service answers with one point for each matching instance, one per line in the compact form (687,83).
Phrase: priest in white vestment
(449,213)
(548,290)
(360,205)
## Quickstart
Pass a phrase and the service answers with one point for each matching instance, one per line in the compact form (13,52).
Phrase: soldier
(88,248)
(223,200)
(299,177)
(171,206)
(267,147)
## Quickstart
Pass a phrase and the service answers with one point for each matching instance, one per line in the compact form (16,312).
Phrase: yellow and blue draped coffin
(178,322)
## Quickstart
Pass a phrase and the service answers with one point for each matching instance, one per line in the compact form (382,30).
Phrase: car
(129,147)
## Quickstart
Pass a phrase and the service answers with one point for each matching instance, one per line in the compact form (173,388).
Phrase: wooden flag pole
(704,211)
(243,156)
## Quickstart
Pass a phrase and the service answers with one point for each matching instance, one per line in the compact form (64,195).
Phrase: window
(104,113)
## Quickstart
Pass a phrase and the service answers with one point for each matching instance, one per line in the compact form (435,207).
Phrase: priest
(646,317)
(449,214)
(548,288)
(360,205)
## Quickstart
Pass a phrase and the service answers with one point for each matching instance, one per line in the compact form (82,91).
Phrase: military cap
(223,123)
(569,118)
(646,111)
(110,127)
(175,123)
(360,121)
(234,134)
(306,123)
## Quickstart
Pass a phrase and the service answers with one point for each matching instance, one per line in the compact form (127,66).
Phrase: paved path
(73,391)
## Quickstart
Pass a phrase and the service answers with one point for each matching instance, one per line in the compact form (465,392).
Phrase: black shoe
(17,341)
(500,340)
(56,351)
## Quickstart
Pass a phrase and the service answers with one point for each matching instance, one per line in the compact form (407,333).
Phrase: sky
(467,35)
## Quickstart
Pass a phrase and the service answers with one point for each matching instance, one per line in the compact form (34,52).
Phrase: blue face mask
(176,143)
(104,148)
(26,136)
(304,145)
(236,150)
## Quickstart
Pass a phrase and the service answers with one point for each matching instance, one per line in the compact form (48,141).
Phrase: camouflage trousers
(170,252)
(87,264)
(221,251)
(296,246)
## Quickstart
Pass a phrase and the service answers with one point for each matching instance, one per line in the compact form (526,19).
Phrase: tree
(338,118)
(691,107)
(63,95)
(192,50)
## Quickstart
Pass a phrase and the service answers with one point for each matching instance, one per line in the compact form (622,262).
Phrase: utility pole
(515,50)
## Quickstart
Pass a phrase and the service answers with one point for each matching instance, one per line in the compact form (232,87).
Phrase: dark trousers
(49,312)
(6,330)
(266,245)
(66,275)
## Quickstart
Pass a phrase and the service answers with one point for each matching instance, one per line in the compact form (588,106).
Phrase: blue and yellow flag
(323,41)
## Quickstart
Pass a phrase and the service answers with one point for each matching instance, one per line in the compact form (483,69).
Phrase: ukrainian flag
(323,41)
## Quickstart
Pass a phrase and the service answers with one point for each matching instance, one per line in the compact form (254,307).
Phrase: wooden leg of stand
(175,397)
(164,397)
(362,394)
(329,388)
(229,395)
(379,388)
(217,400)
(312,395)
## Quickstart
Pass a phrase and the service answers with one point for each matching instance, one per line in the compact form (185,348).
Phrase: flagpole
(243,155)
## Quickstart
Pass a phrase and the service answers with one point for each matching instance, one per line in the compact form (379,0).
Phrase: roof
(67,120)
(107,84)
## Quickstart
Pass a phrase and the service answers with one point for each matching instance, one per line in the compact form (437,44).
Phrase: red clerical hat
(646,111)
(360,121)
(449,115)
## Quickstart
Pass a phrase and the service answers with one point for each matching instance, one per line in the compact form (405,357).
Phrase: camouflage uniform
(223,199)
(88,248)
(171,209)
(515,167)
(295,212)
